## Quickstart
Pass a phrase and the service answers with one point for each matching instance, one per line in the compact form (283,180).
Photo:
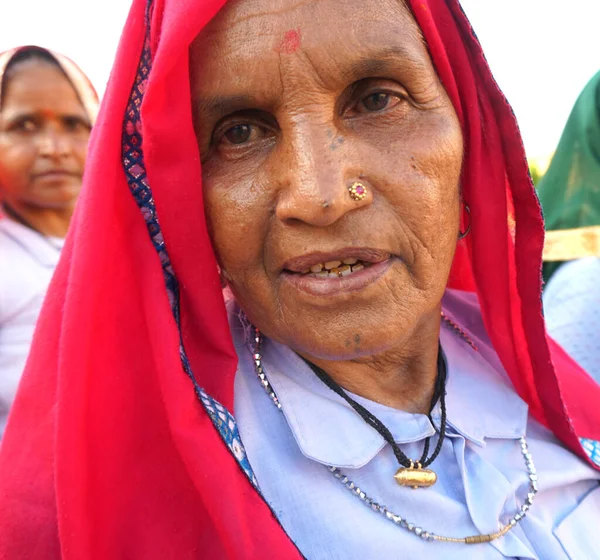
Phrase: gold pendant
(415,476)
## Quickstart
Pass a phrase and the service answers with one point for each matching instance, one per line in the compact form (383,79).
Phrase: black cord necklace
(413,473)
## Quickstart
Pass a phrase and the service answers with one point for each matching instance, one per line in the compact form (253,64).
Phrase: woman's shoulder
(13,241)
(8,232)
(575,281)
(21,246)
(13,250)
(580,266)
(25,276)
(572,311)
(575,275)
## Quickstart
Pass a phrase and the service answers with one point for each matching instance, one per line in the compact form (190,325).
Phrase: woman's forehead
(249,39)
(37,86)
(247,24)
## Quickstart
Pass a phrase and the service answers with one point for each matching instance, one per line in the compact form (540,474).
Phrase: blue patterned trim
(135,170)
(592,449)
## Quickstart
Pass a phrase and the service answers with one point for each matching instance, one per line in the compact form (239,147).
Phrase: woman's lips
(364,254)
(54,174)
(337,285)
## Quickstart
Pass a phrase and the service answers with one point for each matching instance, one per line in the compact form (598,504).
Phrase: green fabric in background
(570,190)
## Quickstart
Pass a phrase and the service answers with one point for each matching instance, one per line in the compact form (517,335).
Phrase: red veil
(114,448)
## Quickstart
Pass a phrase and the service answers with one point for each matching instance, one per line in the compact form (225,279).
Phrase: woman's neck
(51,222)
(402,377)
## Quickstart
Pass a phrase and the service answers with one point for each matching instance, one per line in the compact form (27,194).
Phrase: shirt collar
(480,403)
(45,252)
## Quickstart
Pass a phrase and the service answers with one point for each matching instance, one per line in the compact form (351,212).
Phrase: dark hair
(23,55)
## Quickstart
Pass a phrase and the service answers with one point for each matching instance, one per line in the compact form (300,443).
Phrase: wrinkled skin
(44,132)
(294,103)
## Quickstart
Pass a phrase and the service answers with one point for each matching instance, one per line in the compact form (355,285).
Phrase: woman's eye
(26,125)
(239,134)
(76,124)
(377,101)
(242,131)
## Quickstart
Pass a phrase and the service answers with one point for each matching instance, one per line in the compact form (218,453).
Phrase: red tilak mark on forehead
(48,114)
(291,42)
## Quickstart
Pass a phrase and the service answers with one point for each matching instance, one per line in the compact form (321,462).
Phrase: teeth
(335,269)
(341,270)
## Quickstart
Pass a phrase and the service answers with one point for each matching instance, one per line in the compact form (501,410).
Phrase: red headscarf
(113,450)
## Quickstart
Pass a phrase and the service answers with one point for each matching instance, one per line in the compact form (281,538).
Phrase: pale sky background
(542,52)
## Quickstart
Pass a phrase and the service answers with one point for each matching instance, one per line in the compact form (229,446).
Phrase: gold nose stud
(357,191)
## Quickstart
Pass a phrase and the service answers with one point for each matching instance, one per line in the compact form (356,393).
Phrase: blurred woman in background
(570,197)
(47,107)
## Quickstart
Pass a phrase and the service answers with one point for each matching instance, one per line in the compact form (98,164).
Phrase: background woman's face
(44,132)
(293,103)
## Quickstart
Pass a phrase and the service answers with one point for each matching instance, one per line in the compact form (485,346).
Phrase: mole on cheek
(336,143)
(357,339)
(290,43)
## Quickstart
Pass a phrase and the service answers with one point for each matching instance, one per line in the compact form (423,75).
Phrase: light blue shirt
(482,478)
(572,310)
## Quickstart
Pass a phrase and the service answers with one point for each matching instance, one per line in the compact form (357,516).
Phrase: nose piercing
(357,191)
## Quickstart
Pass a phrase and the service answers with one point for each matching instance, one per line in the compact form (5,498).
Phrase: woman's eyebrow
(384,60)
(10,117)
(376,62)
(15,116)
(221,105)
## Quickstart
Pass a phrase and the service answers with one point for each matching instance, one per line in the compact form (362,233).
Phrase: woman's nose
(54,143)
(317,180)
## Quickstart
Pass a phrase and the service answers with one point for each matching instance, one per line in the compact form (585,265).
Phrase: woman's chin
(342,343)
(59,198)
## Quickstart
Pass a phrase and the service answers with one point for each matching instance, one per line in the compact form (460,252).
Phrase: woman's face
(293,103)
(44,132)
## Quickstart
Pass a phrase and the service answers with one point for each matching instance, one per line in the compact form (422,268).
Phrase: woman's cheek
(16,162)
(236,224)
(81,150)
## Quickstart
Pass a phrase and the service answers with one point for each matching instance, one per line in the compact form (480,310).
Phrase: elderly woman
(358,169)
(47,107)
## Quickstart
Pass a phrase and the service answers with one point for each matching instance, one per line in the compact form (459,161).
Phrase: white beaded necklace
(383,510)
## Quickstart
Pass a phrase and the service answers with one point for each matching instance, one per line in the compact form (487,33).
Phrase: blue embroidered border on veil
(135,170)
